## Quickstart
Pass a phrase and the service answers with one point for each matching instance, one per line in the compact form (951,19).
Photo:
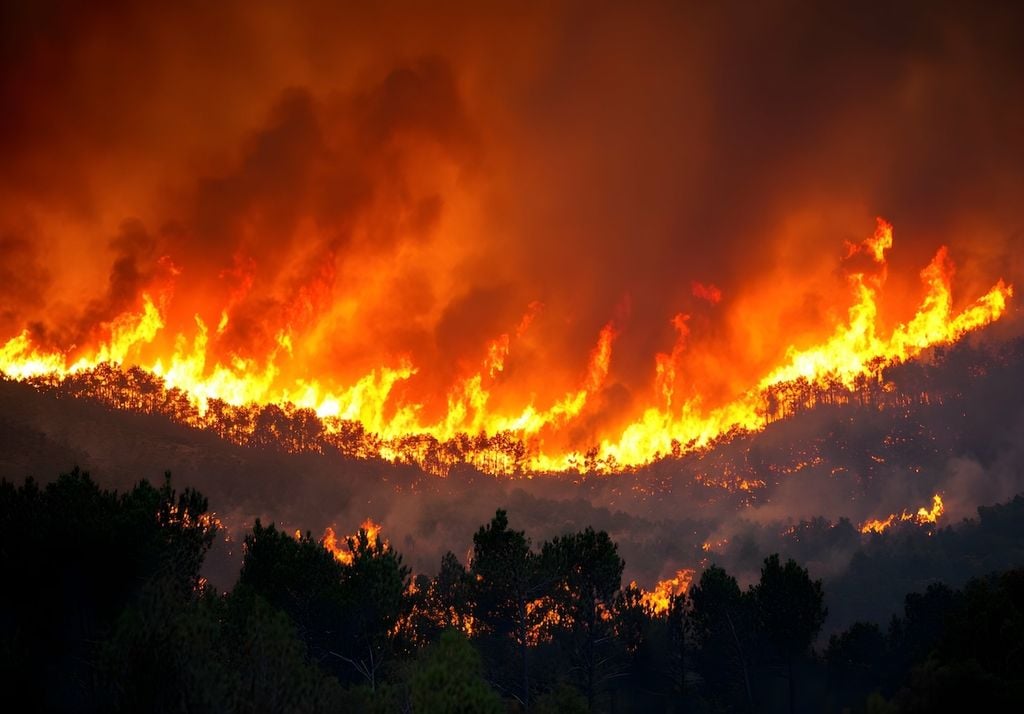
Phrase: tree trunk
(591,666)
(682,674)
(792,686)
(743,662)
(523,644)
(526,681)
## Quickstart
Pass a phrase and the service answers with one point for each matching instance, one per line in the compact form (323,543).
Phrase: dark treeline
(104,609)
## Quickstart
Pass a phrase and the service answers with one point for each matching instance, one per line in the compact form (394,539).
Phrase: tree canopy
(105,609)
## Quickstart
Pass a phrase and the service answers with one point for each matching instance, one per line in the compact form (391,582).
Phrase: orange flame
(543,617)
(854,351)
(923,516)
(342,551)
(537,436)
(657,601)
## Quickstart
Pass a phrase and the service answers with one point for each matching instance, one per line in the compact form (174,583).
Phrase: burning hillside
(519,258)
(945,423)
(670,286)
(232,399)
(351,251)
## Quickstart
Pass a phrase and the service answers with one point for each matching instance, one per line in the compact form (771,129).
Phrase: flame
(854,351)
(20,359)
(342,550)
(658,600)
(923,516)
(543,617)
(665,364)
(372,416)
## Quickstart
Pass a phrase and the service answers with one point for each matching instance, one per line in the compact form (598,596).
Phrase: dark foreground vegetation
(103,609)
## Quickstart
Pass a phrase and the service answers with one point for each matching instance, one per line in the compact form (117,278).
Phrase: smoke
(970,482)
(23,278)
(406,180)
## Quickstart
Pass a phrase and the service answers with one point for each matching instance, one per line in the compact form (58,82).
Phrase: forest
(104,609)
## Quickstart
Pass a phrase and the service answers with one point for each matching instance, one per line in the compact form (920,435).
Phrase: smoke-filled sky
(412,180)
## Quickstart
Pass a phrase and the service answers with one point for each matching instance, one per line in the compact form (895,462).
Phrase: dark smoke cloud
(134,269)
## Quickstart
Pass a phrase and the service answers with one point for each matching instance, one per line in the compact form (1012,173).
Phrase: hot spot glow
(923,516)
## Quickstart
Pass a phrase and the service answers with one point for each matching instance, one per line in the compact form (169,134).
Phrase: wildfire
(536,435)
(658,600)
(709,546)
(923,516)
(342,551)
(543,617)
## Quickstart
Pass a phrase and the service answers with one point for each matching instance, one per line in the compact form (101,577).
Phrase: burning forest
(231,399)
(718,305)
